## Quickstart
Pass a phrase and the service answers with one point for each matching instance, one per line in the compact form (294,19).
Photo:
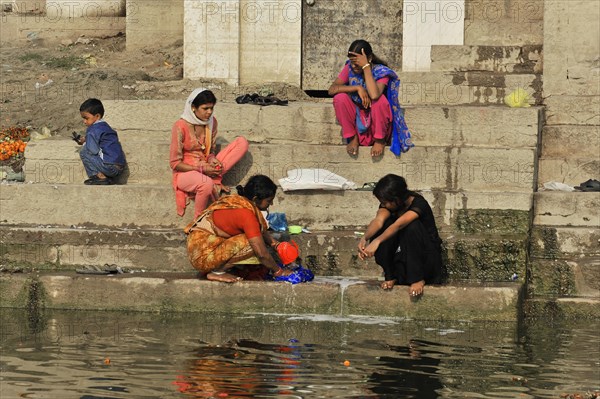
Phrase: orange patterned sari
(208,251)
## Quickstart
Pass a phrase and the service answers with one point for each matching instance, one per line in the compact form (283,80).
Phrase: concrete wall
(243,41)
(154,23)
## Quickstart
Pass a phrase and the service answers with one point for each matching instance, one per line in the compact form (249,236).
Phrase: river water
(138,355)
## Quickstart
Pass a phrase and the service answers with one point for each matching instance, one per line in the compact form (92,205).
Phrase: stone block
(54,204)
(571,141)
(489,126)
(571,171)
(571,309)
(572,110)
(185,293)
(459,302)
(550,242)
(504,32)
(554,208)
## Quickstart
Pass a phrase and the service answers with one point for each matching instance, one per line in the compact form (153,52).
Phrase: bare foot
(352,146)
(101,176)
(223,278)
(378,148)
(388,285)
(219,189)
(416,289)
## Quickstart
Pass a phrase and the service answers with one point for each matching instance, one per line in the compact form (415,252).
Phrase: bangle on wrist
(279,272)
(366,65)
(274,244)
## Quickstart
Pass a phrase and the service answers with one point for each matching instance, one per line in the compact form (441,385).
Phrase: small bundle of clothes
(300,274)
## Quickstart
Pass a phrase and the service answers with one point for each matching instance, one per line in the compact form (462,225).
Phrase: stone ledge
(185,293)
(54,205)
(563,308)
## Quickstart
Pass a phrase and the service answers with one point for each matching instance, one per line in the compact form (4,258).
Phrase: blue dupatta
(401,138)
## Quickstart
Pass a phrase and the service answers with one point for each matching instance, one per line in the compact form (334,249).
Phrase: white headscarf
(189,116)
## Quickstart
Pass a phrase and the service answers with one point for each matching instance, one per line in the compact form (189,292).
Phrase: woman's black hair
(361,44)
(259,186)
(204,97)
(92,106)
(391,188)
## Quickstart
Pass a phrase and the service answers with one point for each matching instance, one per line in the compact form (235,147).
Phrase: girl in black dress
(403,237)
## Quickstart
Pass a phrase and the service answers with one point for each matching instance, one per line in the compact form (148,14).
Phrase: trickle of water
(344,283)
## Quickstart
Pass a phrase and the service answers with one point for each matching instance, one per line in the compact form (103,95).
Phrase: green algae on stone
(486,259)
(500,221)
(544,243)
(551,278)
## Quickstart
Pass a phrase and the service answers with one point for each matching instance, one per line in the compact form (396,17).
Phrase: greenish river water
(135,355)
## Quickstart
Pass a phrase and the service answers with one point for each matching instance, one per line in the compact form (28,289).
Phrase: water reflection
(244,368)
(410,373)
(123,355)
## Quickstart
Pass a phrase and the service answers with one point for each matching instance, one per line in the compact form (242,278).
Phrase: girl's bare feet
(388,285)
(416,289)
(352,146)
(223,277)
(378,147)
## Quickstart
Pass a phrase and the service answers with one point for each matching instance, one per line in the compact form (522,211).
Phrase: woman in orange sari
(232,231)
(197,167)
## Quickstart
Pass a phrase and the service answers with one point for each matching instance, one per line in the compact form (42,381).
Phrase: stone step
(132,206)
(570,142)
(454,168)
(477,88)
(567,209)
(575,277)
(506,59)
(571,171)
(171,292)
(314,123)
(564,242)
(481,257)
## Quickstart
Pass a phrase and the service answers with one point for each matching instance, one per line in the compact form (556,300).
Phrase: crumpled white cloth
(314,179)
(557,186)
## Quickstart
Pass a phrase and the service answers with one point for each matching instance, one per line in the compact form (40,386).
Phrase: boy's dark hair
(204,97)
(358,45)
(259,186)
(92,106)
(391,188)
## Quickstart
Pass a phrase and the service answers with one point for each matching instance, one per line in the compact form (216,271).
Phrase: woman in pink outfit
(197,169)
(366,103)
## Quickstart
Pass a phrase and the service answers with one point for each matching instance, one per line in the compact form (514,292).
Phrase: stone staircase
(474,164)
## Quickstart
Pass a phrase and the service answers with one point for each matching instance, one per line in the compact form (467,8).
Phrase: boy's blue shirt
(102,140)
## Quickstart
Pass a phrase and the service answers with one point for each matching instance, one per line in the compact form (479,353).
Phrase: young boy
(101,154)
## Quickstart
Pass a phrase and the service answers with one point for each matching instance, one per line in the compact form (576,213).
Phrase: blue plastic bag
(277,221)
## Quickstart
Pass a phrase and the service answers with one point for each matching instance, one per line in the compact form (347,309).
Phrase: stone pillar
(211,40)
(270,41)
(154,23)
